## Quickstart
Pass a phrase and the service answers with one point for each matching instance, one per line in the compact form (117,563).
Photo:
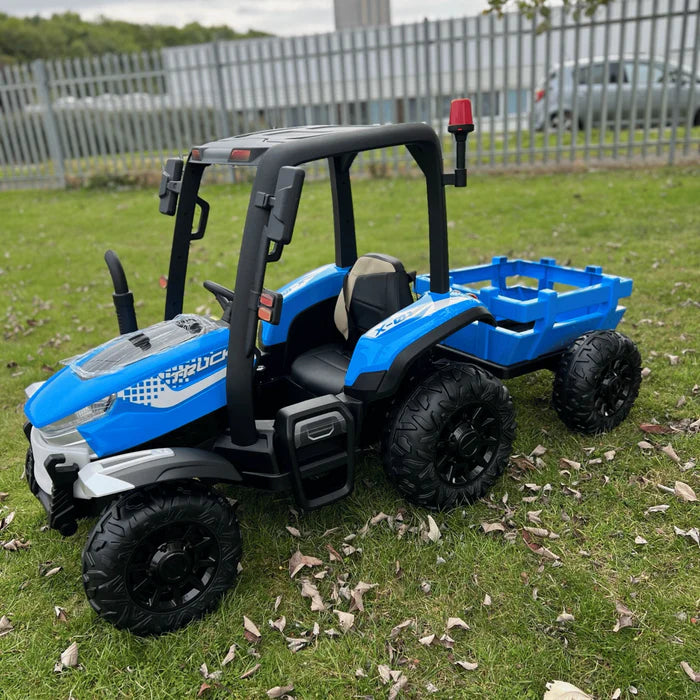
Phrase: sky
(276,16)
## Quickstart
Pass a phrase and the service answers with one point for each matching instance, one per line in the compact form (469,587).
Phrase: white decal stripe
(167,397)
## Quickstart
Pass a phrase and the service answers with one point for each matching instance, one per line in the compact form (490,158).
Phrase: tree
(543,7)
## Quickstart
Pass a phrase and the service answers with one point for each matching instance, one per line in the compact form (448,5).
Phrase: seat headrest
(369,264)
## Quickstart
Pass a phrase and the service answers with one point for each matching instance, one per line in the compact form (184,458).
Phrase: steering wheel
(223,295)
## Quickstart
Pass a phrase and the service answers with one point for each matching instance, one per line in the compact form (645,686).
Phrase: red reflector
(267,299)
(265,313)
(196,154)
(539,95)
(461,113)
(239,154)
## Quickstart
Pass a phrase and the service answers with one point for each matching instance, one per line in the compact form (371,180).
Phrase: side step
(315,440)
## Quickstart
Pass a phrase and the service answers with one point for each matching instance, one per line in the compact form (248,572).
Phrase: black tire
(567,121)
(161,557)
(597,381)
(449,440)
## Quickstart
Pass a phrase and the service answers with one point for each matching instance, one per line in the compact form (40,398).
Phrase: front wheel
(451,437)
(160,557)
(597,381)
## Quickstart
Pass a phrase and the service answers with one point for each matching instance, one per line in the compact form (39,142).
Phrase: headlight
(84,415)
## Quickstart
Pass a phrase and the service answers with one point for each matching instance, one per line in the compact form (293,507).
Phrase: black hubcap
(613,388)
(172,566)
(468,444)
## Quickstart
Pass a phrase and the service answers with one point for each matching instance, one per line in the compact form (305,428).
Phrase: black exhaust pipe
(123,298)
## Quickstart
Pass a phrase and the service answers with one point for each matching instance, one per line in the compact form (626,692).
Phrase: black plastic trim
(394,375)
(548,361)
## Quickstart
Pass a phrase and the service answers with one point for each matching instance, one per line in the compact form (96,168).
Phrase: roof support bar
(343,213)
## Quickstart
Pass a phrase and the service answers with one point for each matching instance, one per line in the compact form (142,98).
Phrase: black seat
(376,287)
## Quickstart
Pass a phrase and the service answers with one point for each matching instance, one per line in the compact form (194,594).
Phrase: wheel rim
(468,444)
(614,387)
(172,566)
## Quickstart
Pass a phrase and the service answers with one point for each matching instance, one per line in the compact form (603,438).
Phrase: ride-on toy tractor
(282,391)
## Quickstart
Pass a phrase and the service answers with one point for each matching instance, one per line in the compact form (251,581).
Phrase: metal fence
(620,85)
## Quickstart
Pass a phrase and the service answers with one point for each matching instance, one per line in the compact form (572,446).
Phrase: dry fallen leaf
(609,455)
(4,522)
(384,673)
(644,445)
(230,655)
(563,462)
(3,495)
(357,593)
(487,600)
(53,571)
(538,451)
(640,540)
(251,632)
(433,533)
(60,613)
(378,518)
(215,675)
(467,665)
(657,509)
(293,531)
(693,675)
(670,452)
(279,624)
(347,620)
(493,527)
(561,690)
(538,549)
(401,626)
(565,617)
(279,690)
(308,590)
(5,626)
(684,492)
(298,561)
(537,531)
(458,622)
(672,359)
(203,689)
(69,658)
(427,640)
(693,533)
(250,672)
(626,618)
(395,689)
(534,516)
(334,556)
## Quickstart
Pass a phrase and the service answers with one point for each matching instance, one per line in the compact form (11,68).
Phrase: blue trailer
(283,390)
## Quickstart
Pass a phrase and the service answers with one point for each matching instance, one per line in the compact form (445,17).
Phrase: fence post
(220,90)
(50,124)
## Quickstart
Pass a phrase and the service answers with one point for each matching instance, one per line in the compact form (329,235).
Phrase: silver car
(591,90)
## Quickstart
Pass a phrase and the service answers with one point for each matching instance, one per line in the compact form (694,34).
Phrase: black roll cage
(271,151)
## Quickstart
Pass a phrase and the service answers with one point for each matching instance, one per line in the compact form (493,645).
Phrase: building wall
(350,14)
(410,72)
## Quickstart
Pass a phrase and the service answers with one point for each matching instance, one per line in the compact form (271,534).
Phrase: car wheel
(567,121)
(449,440)
(161,557)
(597,381)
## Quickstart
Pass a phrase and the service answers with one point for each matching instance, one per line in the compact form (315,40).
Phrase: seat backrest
(376,287)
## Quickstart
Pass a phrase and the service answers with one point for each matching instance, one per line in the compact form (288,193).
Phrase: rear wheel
(566,119)
(449,440)
(597,381)
(161,557)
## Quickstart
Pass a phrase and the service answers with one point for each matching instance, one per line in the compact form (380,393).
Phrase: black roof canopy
(307,143)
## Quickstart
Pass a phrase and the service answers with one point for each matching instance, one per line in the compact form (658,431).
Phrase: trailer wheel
(597,381)
(449,440)
(160,557)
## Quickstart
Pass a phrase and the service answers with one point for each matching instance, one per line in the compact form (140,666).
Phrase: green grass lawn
(56,303)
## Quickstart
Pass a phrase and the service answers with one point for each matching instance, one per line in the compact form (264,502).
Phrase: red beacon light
(461,116)
(460,125)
